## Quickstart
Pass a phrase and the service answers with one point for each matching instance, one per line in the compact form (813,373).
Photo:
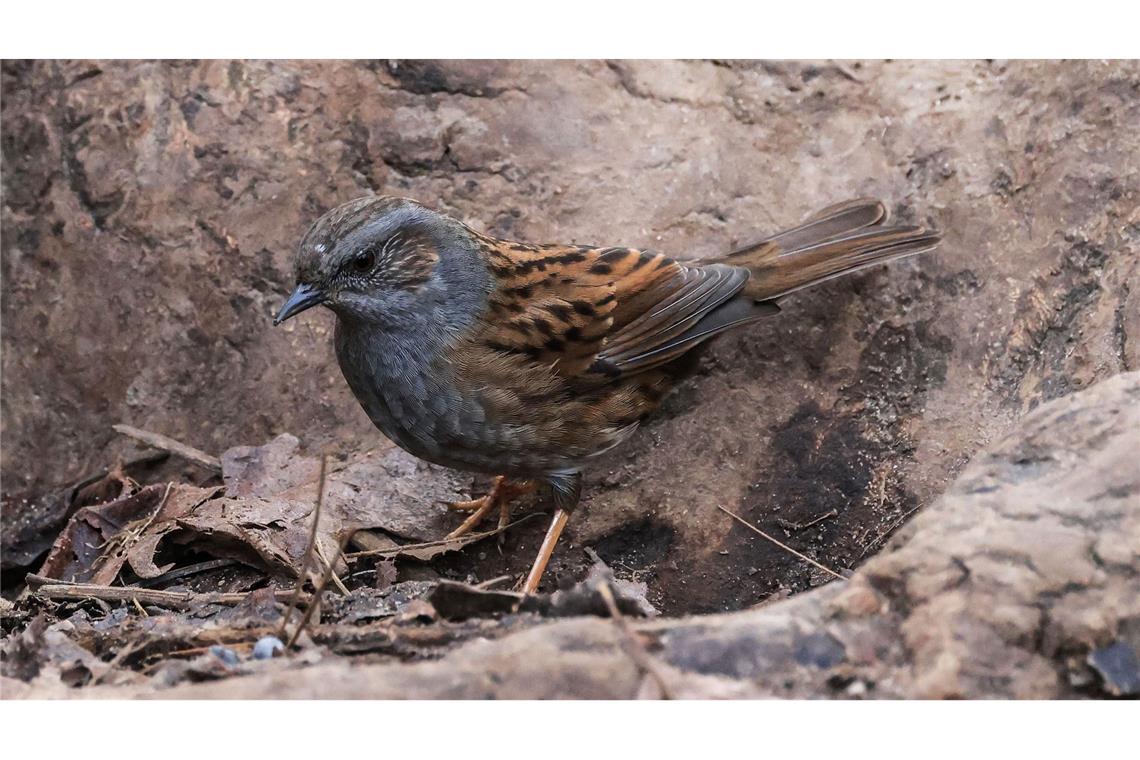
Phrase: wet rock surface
(151,211)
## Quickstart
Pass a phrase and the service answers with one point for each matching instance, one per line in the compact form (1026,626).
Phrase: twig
(177,600)
(492,582)
(240,645)
(335,578)
(315,599)
(634,647)
(462,541)
(789,525)
(886,533)
(785,547)
(158,441)
(120,543)
(167,656)
(306,559)
(35,581)
(139,607)
(182,572)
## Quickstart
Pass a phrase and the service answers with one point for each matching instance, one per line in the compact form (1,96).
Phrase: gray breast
(411,396)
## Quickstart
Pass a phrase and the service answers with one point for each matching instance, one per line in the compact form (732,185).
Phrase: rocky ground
(150,213)
(1019,582)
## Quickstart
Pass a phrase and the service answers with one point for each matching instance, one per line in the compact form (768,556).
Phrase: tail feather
(838,240)
(833,221)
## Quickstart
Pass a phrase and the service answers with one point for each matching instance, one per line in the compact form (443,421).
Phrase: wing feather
(591,311)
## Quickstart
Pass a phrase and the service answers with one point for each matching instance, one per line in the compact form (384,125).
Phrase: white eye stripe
(384,256)
(389,247)
(391,244)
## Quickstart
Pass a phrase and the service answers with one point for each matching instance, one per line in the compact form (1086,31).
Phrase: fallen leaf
(264,517)
(264,471)
(78,552)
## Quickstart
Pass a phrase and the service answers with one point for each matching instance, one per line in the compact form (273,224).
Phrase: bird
(527,361)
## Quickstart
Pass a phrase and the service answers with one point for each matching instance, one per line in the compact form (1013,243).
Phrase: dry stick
(158,441)
(887,532)
(462,541)
(335,578)
(492,582)
(634,648)
(785,547)
(238,645)
(789,525)
(133,534)
(315,599)
(306,559)
(178,600)
(35,581)
(182,572)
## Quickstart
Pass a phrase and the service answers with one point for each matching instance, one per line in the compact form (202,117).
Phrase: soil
(151,211)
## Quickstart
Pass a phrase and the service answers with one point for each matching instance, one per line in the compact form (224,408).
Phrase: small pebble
(266,647)
(225,654)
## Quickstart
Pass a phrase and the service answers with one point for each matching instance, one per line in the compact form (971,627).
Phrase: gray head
(389,262)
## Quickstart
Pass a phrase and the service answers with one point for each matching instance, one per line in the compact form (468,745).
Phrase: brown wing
(598,312)
(547,367)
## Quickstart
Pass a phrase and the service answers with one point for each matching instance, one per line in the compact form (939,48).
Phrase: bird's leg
(508,492)
(505,511)
(501,493)
(567,489)
(529,586)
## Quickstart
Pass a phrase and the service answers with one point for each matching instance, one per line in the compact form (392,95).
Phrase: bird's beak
(305,296)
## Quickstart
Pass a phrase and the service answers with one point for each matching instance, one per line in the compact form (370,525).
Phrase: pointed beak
(304,297)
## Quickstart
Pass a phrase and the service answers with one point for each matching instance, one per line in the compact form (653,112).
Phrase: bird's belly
(428,417)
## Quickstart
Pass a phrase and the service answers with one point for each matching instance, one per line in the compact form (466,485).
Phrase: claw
(474,519)
(464,506)
(501,494)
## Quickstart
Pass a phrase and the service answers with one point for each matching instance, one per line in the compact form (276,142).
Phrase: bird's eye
(364,260)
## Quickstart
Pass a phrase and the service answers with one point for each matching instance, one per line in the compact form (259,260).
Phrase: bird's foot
(502,493)
(466,506)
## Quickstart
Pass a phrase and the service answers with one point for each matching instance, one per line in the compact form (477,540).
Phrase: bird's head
(380,260)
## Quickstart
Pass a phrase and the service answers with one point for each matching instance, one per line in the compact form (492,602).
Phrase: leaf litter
(167,582)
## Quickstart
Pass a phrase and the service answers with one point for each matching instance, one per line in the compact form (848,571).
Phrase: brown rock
(152,208)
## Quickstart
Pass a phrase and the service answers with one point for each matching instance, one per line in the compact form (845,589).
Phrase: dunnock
(527,361)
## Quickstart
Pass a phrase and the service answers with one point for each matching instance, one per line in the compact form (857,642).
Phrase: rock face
(151,210)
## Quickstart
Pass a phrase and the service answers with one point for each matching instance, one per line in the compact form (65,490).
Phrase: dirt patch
(1019,582)
(151,211)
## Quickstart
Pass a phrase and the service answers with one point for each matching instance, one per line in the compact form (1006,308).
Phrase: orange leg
(465,506)
(544,551)
(502,493)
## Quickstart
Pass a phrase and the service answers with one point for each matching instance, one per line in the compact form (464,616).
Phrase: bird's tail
(838,240)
